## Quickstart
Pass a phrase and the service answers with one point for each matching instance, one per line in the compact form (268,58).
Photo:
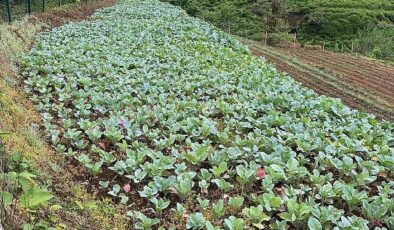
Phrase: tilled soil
(375,80)
(375,77)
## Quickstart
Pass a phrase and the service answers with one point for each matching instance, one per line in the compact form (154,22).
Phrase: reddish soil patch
(80,12)
(373,78)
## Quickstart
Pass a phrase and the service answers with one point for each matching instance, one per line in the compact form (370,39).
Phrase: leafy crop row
(203,132)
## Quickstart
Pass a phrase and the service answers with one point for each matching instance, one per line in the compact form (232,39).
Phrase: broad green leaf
(314,224)
(34,198)
(6,198)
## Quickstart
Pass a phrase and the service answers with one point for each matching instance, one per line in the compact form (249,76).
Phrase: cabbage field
(179,122)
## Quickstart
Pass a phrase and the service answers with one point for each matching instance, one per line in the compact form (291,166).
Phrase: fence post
(295,40)
(43,5)
(29,6)
(266,37)
(8,11)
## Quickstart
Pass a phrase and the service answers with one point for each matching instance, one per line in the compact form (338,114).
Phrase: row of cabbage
(206,135)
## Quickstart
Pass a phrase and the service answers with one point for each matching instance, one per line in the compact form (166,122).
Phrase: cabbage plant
(199,129)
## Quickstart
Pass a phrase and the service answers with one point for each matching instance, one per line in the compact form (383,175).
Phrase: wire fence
(11,10)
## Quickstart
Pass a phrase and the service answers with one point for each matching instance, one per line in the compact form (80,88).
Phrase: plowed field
(361,83)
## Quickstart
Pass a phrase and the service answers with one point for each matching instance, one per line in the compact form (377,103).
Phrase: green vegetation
(327,79)
(30,172)
(364,26)
(338,25)
(232,16)
(19,188)
(377,42)
(340,20)
(181,116)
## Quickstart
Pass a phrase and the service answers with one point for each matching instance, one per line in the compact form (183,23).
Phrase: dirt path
(361,83)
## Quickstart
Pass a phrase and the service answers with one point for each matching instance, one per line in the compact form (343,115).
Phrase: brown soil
(374,79)
(80,12)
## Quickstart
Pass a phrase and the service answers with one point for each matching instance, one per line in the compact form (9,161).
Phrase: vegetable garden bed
(178,120)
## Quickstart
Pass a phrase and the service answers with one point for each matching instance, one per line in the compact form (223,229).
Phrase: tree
(273,14)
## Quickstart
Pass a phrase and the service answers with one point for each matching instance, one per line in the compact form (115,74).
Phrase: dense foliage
(341,20)
(337,24)
(377,42)
(232,16)
(205,133)
(365,25)
(318,20)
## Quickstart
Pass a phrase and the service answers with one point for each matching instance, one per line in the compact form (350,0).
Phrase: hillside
(178,122)
(232,16)
(365,26)
(340,20)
